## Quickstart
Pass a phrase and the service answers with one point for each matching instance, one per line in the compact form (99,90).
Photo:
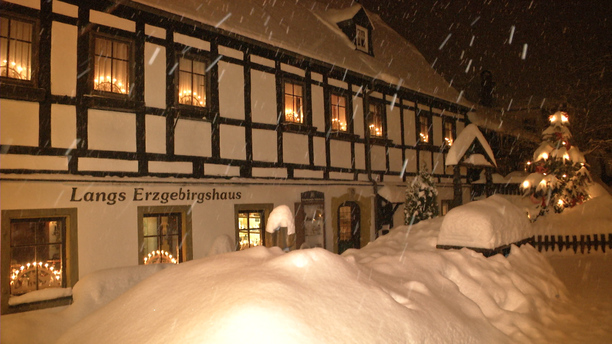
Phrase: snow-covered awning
(393,195)
(464,142)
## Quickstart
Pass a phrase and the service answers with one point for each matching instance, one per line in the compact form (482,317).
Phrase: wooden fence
(577,243)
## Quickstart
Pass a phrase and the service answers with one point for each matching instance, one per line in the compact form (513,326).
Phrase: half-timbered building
(143,131)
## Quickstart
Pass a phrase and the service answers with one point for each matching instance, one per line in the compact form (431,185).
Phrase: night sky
(568,43)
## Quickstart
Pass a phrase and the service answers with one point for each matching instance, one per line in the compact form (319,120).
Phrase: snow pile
(572,220)
(464,141)
(89,294)
(281,216)
(489,223)
(222,244)
(40,295)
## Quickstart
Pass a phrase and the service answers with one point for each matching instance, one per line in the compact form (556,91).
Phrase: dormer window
(361,38)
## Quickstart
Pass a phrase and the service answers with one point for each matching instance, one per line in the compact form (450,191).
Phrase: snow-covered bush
(421,199)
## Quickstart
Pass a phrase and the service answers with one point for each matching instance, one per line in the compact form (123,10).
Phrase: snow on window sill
(40,295)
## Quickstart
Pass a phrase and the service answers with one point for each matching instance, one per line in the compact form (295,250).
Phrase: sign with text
(141,194)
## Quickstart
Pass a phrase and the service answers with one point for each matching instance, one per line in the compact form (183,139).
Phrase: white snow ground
(398,289)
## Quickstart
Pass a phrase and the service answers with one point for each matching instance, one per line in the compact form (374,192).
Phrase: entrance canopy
(469,136)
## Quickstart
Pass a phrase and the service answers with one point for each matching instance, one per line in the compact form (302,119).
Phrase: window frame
(265,208)
(453,131)
(427,116)
(69,252)
(284,93)
(187,110)
(365,47)
(34,57)
(333,94)
(380,105)
(185,236)
(130,65)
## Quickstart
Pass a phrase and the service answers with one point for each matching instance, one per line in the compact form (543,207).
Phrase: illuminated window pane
(15,49)
(294,101)
(192,82)
(375,120)
(36,254)
(250,229)
(345,223)
(162,238)
(111,66)
(448,134)
(423,129)
(338,113)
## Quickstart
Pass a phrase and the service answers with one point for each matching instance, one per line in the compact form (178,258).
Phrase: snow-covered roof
(340,15)
(304,27)
(463,143)
(392,194)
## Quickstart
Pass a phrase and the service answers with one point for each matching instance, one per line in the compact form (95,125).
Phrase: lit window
(361,38)
(37,254)
(111,65)
(344,216)
(16,49)
(448,133)
(338,112)
(164,235)
(423,129)
(250,229)
(192,82)
(294,102)
(375,120)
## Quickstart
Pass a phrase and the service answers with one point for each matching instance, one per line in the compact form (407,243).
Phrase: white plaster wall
(155,130)
(262,61)
(155,75)
(411,156)
(65,9)
(460,126)
(18,123)
(292,70)
(109,165)
(438,163)
(358,116)
(231,90)
(111,131)
(394,124)
(233,145)
(155,31)
(425,160)
(378,158)
(263,97)
(437,131)
(318,108)
(226,51)
(111,20)
(63,59)
(63,126)
(264,145)
(221,170)
(170,167)
(192,138)
(192,41)
(337,83)
(316,77)
(28,3)
(340,153)
(450,170)
(319,151)
(409,127)
(395,159)
(33,162)
(295,148)
(360,156)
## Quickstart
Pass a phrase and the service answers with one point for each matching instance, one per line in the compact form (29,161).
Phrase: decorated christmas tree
(421,199)
(559,179)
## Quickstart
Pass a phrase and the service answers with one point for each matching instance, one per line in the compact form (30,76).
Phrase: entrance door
(349,227)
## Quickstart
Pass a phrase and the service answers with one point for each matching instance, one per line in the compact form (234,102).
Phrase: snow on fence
(576,243)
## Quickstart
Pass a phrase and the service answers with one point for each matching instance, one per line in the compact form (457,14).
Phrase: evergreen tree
(559,179)
(421,199)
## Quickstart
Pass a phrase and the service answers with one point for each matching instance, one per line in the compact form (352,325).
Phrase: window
(446,206)
(338,112)
(294,102)
(375,120)
(361,38)
(40,252)
(349,234)
(164,234)
(423,129)
(250,228)
(449,136)
(192,82)
(16,38)
(112,65)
